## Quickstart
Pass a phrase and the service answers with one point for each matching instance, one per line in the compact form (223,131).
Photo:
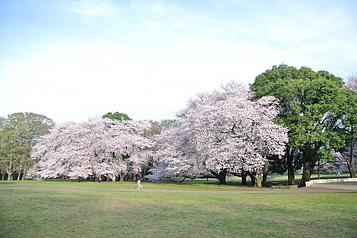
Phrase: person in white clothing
(140,187)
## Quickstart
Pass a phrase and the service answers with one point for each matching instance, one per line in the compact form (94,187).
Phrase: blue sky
(73,60)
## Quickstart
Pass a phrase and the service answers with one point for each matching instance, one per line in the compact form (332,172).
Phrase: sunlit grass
(191,209)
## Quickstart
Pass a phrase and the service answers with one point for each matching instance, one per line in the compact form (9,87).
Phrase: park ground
(189,209)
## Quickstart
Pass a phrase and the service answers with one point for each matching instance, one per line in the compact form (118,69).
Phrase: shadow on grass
(7,182)
(203,182)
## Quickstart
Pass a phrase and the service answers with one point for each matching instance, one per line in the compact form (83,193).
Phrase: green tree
(118,116)
(11,151)
(19,132)
(310,106)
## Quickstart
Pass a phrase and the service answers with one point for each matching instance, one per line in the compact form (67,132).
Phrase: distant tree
(169,123)
(12,151)
(154,129)
(157,127)
(117,116)
(352,83)
(21,131)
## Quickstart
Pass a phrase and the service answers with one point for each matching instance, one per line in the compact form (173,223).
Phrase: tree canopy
(311,107)
(291,118)
(117,116)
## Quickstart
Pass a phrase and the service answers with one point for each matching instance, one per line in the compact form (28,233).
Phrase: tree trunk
(309,158)
(9,170)
(306,173)
(143,173)
(24,174)
(221,176)
(258,181)
(291,175)
(351,159)
(19,172)
(265,174)
(2,176)
(291,168)
(244,177)
(252,178)
(351,167)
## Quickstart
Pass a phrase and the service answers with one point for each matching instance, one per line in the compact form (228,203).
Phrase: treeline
(289,119)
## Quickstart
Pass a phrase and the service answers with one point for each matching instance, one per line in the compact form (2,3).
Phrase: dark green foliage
(310,107)
(117,116)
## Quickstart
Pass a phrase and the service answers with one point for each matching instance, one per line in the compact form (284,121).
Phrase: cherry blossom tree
(224,132)
(175,155)
(96,148)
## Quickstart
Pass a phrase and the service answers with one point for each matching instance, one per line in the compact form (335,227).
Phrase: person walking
(139,186)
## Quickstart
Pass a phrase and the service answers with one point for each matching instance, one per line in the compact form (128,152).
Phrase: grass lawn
(87,209)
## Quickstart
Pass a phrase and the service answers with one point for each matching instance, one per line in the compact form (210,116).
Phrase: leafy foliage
(117,116)
(18,133)
(311,107)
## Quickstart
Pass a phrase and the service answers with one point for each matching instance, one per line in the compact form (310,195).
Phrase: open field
(191,209)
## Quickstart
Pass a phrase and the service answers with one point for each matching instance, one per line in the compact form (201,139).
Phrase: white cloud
(158,8)
(94,8)
(297,24)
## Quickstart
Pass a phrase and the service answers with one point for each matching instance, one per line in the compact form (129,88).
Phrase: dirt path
(335,187)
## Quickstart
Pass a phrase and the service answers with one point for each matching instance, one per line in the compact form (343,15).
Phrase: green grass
(191,209)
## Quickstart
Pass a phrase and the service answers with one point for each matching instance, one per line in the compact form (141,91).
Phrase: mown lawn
(86,209)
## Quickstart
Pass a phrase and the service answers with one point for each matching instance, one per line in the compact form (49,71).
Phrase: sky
(74,60)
